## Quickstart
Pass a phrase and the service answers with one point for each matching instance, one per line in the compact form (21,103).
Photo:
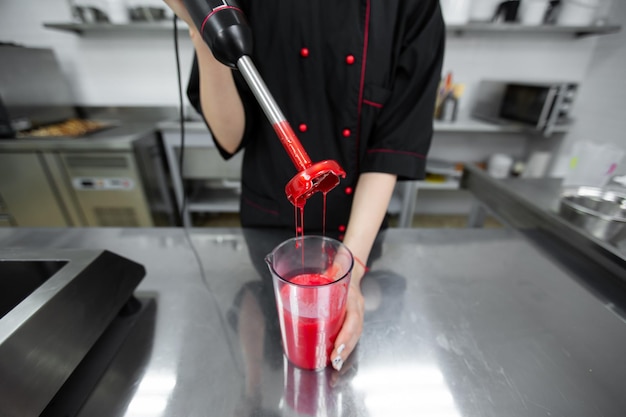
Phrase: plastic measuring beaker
(311,277)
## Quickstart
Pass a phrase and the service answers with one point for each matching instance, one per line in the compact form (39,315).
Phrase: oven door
(528,104)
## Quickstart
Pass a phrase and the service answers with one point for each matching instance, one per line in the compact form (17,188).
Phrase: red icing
(292,145)
(309,334)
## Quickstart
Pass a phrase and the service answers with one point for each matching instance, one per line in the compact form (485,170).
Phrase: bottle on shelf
(447,104)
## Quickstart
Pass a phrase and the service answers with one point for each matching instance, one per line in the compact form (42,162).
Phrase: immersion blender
(225,30)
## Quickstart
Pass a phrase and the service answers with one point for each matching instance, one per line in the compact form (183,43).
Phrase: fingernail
(337,363)
(341,348)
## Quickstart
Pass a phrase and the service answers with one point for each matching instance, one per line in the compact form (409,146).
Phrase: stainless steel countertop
(460,322)
(119,137)
(191,126)
(533,204)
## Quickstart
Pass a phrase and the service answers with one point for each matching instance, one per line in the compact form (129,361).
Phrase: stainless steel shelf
(449,184)
(478,126)
(460,126)
(519,28)
(136,27)
(84,28)
(214,201)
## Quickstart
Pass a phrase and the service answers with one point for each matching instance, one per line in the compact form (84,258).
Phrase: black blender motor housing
(223,27)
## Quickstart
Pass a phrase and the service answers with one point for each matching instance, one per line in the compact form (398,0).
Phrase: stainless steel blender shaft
(260,90)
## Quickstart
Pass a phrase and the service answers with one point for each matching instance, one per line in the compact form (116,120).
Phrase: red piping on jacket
(362,82)
(373,104)
(256,206)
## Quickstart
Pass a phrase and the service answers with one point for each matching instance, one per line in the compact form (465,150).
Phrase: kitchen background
(137,68)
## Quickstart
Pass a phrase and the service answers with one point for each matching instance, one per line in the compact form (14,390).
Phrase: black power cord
(181,161)
(181,117)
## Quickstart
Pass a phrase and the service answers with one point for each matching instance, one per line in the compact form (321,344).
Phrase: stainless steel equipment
(113,178)
(446,333)
(54,306)
(5,217)
(210,183)
(36,98)
(540,105)
(108,188)
(599,211)
(533,204)
(26,188)
(33,90)
(64,170)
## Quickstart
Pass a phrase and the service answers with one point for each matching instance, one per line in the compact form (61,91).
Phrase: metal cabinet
(206,183)
(28,192)
(5,217)
(72,183)
(107,188)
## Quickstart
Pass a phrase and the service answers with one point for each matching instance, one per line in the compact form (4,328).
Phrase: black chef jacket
(357,81)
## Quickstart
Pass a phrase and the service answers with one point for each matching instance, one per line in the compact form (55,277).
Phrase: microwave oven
(539,105)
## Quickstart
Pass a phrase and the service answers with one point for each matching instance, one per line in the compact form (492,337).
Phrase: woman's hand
(353,324)
(371,199)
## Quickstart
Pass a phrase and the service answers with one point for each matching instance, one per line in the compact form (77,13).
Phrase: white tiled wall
(111,69)
(601,106)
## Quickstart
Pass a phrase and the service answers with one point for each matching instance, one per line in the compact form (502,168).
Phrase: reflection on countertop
(460,322)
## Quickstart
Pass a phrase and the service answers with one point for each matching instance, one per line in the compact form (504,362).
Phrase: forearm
(371,200)
(219,99)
